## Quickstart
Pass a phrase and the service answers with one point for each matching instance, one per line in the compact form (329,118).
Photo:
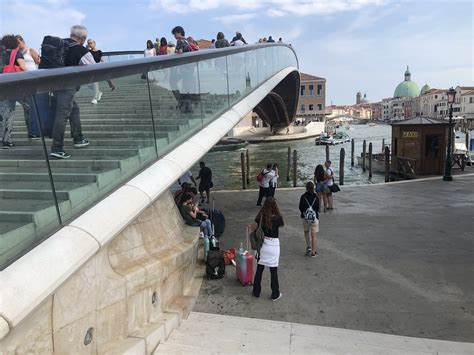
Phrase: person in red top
(163,47)
(7,107)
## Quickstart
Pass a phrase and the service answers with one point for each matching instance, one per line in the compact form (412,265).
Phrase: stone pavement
(395,258)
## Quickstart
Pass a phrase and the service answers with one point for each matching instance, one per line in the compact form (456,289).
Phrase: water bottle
(241,249)
(215,243)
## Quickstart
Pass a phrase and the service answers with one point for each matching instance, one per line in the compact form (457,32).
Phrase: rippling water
(226,165)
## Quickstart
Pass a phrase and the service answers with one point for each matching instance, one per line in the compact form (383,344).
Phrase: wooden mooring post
(247,162)
(327,152)
(294,167)
(242,166)
(364,147)
(383,144)
(352,152)
(387,164)
(342,155)
(370,160)
(467,140)
(288,165)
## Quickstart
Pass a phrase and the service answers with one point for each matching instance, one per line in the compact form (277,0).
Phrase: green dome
(424,89)
(407,88)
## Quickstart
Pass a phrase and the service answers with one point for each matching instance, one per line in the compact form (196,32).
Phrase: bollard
(352,152)
(387,164)
(288,165)
(363,155)
(242,166)
(327,152)
(467,141)
(370,160)
(341,166)
(383,144)
(294,167)
(247,156)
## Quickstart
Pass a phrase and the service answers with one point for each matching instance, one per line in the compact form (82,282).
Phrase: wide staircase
(121,135)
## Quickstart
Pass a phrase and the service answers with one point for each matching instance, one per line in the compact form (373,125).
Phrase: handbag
(257,236)
(11,67)
(334,188)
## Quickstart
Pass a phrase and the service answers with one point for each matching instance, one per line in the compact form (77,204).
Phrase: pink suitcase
(244,267)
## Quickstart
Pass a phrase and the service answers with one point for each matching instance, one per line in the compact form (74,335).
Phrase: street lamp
(448,161)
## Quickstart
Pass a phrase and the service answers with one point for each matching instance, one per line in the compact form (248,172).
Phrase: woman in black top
(98,58)
(269,255)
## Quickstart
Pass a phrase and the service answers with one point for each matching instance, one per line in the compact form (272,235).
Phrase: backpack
(11,67)
(215,264)
(4,57)
(193,47)
(261,176)
(310,215)
(54,51)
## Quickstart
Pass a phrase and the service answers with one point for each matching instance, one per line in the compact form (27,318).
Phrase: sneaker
(100,95)
(276,299)
(315,254)
(81,143)
(201,235)
(94,101)
(308,251)
(7,145)
(60,155)
(32,137)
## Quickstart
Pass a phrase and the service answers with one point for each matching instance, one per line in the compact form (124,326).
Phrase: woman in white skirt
(269,254)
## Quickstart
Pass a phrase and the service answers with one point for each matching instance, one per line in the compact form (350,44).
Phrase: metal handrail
(14,86)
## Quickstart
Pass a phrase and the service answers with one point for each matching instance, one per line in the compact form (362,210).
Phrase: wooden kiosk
(419,147)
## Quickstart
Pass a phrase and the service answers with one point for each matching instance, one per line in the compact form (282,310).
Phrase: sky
(357,45)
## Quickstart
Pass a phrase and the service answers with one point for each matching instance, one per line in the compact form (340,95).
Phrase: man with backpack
(69,52)
(309,208)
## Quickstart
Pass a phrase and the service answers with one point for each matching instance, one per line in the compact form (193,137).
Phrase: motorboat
(333,139)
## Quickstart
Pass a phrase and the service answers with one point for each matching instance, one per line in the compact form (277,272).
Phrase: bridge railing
(132,112)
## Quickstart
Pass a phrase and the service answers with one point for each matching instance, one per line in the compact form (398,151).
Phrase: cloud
(235,19)
(34,19)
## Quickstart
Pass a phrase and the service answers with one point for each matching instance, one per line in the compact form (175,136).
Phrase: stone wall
(124,292)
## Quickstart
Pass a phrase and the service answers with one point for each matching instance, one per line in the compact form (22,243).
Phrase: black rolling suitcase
(217,219)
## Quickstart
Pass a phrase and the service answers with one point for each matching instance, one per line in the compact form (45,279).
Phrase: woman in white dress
(269,255)
(150,51)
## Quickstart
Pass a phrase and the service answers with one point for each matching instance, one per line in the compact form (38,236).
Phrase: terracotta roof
(307,77)
(466,87)
(419,121)
(204,43)
(468,93)
(435,91)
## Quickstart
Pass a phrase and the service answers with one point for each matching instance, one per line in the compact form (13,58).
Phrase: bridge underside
(278,108)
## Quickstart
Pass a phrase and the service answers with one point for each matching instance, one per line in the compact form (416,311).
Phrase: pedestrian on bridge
(205,183)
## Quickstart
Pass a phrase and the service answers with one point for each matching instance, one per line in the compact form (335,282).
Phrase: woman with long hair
(163,49)
(320,179)
(270,219)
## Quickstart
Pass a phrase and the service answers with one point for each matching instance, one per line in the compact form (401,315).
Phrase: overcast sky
(357,45)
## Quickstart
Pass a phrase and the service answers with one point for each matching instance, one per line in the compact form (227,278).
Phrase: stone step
(213,333)
(105,135)
(96,143)
(121,121)
(86,128)
(30,152)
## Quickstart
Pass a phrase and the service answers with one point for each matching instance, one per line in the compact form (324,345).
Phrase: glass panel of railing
(276,59)
(269,61)
(102,135)
(214,88)
(237,77)
(261,65)
(251,69)
(28,210)
(176,105)
(121,57)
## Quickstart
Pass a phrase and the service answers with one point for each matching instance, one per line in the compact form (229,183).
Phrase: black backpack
(4,57)
(54,51)
(215,264)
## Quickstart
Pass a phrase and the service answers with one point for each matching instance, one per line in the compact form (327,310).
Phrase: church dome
(407,88)
(424,89)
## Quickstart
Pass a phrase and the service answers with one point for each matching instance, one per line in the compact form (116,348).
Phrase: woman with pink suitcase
(271,219)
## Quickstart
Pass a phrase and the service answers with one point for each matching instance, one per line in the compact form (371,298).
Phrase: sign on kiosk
(410,134)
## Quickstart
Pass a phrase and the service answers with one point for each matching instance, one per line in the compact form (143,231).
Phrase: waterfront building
(312,98)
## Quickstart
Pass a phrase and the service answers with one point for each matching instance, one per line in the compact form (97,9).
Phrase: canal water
(226,165)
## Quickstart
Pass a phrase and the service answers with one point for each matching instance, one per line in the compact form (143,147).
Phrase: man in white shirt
(264,185)
(187,177)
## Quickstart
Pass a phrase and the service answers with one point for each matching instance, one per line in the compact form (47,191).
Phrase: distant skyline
(357,45)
